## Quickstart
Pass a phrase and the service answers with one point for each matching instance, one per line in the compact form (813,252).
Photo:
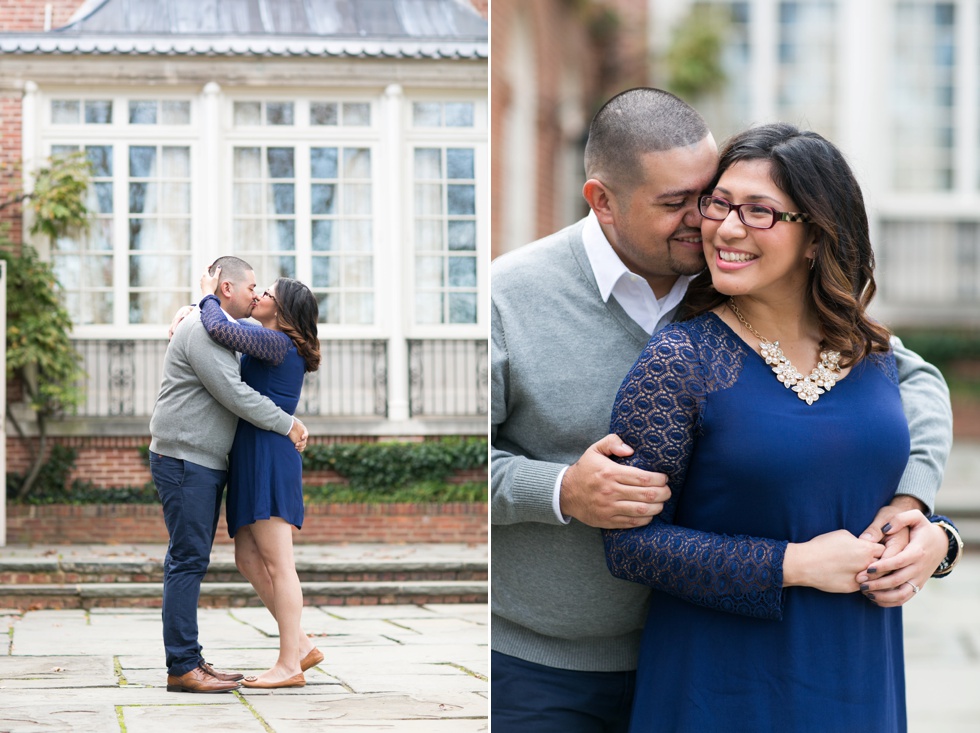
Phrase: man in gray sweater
(192,428)
(570,315)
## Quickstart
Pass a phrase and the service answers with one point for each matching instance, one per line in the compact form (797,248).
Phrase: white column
(967,117)
(390,257)
(209,179)
(764,61)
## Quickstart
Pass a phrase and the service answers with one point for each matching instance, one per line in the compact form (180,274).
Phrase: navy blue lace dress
(752,467)
(265,472)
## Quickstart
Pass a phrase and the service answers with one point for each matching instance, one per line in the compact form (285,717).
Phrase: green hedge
(376,472)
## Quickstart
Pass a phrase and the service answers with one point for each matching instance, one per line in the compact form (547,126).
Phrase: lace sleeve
(262,343)
(657,412)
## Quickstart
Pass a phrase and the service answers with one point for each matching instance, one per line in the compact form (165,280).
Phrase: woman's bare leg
(251,566)
(274,541)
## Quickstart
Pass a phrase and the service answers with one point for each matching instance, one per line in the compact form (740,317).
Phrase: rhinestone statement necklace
(822,379)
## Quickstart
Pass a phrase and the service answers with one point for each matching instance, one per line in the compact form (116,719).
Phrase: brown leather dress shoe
(223,676)
(311,660)
(297,680)
(199,680)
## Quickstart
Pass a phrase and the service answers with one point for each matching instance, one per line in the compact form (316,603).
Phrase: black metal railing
(123,378)
(448,377)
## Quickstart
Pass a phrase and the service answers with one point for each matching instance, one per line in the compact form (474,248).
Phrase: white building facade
(341,144)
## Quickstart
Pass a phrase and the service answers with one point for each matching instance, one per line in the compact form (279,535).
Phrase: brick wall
(28,15)
(119,524)
(565,42)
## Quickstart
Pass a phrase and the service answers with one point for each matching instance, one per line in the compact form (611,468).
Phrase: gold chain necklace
(822,379)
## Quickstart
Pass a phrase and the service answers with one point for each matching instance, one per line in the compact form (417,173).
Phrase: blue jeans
(531,698)
(191,497)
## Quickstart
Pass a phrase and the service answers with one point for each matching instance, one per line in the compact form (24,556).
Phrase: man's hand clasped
(601,493)
(299,435)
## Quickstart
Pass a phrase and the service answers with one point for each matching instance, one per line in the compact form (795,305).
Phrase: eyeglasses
(267,294)
(756,216)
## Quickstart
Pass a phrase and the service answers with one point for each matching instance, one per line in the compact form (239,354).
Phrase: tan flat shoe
(311,660)
(297,680)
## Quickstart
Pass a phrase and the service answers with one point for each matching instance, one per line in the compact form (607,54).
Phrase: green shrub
(428,492)
(389,466)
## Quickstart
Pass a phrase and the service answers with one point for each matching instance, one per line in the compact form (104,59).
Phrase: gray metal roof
(360,28)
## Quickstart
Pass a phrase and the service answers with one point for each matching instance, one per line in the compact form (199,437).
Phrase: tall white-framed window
(922,57)
(303,205)
(447,172)
(132,269)
(807,93)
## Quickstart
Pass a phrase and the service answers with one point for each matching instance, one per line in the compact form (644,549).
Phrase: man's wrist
(907,502)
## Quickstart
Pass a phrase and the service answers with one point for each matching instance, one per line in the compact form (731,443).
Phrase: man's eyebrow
(677,194)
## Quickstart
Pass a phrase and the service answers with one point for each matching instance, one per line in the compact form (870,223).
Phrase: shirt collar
(606,265)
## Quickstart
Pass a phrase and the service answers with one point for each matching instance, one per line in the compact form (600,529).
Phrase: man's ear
(600,200)
(224,289)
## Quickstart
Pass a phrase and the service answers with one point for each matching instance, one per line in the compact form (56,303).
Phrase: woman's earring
(813,261)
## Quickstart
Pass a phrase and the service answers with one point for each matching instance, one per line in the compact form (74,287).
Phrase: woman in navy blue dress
(774,410)
(265,481)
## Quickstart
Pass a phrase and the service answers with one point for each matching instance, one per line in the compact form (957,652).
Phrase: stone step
(25,570)
(35,596)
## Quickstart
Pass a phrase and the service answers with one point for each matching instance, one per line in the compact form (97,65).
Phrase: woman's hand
(892,580)
(828,562)
(178,317)
(209,282)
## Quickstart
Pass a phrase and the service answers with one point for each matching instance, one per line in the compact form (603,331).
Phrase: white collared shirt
(631,291)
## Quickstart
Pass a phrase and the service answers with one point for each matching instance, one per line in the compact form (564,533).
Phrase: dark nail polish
(872,570)
(870,596)
(864,587)
(886,527)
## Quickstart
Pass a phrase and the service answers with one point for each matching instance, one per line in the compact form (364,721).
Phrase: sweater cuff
(921,482)
(534,489)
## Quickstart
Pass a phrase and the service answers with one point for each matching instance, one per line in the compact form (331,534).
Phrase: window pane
(176,162)
(160,271)
(142,161)
(462,235)
(459,114)
(428,163)
(462,199)
(175,198)
(323,162)
(100,235)
(247,234)
(283,198)
(357,235)
(322,236)
(142,234)
(65,112)
(143,112)
(357,163)
(282,236)
(329,306)
(428,272)
(323,199)
(462,272)
(142,198)
(462,307)
(98,112)
(280,163)
(326,274)
(357,199)
(247,198)
(427,114)
(155,307)
(100,198)
(248,113)
(358,272)
(359,308)
(279,113)
(63,149)
(428,234)
(176,113)
(357,114)
(100,156)
(248,163)
(428,307)
(428,199)
(459,163)
(323,113)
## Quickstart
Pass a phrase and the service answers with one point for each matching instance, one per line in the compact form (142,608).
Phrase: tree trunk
(38,463)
